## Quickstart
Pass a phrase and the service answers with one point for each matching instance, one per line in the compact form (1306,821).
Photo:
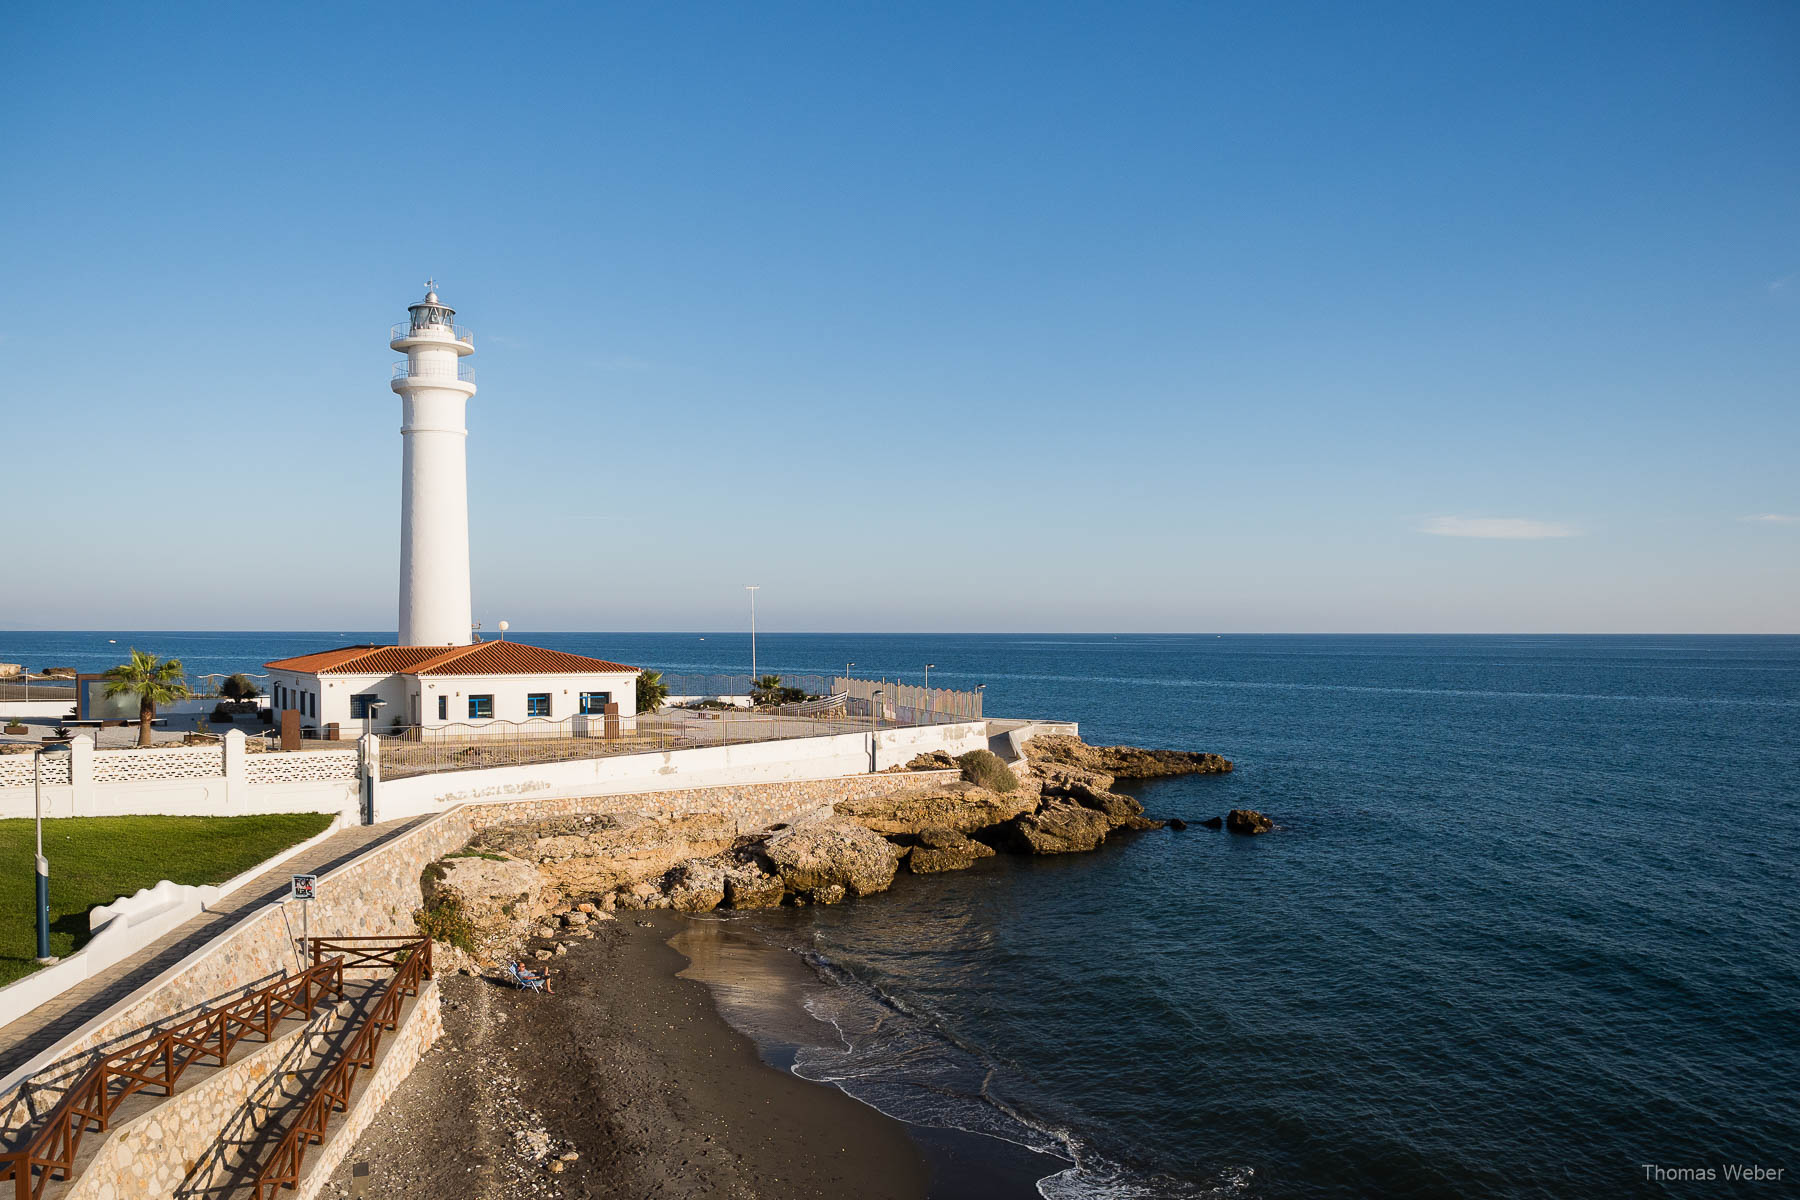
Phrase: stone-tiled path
(51,1022)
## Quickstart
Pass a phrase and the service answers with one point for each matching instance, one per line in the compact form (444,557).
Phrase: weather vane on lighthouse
(431,284)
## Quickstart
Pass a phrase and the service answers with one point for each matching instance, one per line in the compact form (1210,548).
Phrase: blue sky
(1044,317)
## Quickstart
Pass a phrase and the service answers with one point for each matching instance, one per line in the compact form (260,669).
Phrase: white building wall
(509,692)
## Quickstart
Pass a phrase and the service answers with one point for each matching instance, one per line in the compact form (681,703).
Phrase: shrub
(221,713)
(444,919)
(984,769)
(238,687)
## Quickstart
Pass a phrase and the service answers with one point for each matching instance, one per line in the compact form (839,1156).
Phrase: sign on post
(303,888)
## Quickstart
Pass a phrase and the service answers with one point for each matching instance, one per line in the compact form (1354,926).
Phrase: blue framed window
(359,705)
(593,704)
(537,704)
(443,708)
(481,707)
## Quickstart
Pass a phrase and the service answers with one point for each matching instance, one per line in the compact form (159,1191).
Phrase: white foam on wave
(906,1066)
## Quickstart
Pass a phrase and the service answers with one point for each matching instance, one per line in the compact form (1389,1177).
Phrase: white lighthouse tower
(434,384)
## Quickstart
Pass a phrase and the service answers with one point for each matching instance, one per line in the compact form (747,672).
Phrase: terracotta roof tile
(482,658)
(513,658)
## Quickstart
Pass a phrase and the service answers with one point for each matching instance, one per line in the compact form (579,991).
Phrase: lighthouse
(434,385)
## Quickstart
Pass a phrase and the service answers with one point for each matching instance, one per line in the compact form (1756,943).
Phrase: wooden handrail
(332,1093)
(158,1061)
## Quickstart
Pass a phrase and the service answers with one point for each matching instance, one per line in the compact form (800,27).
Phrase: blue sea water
(1529,922)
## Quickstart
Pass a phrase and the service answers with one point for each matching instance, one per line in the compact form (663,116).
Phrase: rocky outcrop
(1247,820)
(933,760)
(828,859)
(1059,827)
(959,806)
(941,850)
(597,853)
(1212,823)
(696,886)
(494,891)
(1125,762)
(748,885)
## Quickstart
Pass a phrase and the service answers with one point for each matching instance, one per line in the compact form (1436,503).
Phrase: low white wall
(789,760)
(127,925)
(36,708)
(217,780)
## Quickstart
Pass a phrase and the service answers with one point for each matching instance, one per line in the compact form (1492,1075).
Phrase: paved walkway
(54,1020)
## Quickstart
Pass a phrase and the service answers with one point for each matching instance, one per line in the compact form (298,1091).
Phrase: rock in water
(829,858)
(1247,820)
(1177,824)
(1129,762)
(1059,827)
(944,850)
(1214,823)
(749,886)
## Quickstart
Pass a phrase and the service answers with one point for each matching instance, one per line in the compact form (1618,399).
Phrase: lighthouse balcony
(406,371)
(406,335)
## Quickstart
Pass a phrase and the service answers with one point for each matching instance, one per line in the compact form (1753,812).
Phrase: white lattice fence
(15,769)
(129,766)
(304,766)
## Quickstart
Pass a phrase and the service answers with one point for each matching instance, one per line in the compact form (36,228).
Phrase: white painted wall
(786,761)
(509,692)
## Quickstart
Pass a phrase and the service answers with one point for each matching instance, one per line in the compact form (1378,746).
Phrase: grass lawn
(95,860)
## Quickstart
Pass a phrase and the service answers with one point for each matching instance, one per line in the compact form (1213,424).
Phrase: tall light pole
(43,864)
(751,588)
(847,667)
(928,667)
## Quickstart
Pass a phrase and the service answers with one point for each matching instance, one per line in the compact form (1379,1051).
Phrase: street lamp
(751,588)
(370,713)
(43,864)
(847,667)
(928,667)
(875,711)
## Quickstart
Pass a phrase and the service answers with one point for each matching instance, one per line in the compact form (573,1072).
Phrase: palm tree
(651,691)
(766,689)
(153,681)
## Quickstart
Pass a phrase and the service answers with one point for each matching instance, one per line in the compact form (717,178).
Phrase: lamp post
(874,712)
(43,864)
(847,667)
(751,588)
(928,667)
(370,713)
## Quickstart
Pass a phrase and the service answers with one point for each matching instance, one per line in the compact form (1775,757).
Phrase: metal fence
(18,688)
(741,685)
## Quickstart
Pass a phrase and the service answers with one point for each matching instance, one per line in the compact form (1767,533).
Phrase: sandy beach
(624,1083)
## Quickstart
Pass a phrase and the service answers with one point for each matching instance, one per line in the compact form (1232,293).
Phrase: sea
(1528,924)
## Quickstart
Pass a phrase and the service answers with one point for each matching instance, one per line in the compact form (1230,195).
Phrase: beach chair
(526,980)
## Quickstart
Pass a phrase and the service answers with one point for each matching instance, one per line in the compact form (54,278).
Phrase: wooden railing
(159,1061)
(332,1093)
(366,953)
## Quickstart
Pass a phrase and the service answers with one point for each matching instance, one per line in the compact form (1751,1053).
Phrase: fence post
(81,773)
(231,753)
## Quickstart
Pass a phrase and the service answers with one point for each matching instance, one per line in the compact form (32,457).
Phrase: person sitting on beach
(527,975)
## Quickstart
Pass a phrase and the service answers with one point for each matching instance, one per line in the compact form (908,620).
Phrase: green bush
(984,769)
(221,713)
(444,919)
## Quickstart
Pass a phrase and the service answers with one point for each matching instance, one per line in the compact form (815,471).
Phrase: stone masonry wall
(399,1054)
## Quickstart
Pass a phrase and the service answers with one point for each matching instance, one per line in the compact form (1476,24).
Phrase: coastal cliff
(1057,799)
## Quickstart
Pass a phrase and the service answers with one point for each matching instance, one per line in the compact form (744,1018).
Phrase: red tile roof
(482,658)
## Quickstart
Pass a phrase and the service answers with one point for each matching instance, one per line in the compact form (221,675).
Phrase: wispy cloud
(1512,528)
(1778,286)
(1772,518)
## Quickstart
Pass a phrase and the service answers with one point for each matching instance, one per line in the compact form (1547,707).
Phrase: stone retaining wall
(400,1052)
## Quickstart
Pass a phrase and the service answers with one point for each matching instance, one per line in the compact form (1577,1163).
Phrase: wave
(900,1062)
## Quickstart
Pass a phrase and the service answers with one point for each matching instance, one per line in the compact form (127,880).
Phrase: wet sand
(625,1083)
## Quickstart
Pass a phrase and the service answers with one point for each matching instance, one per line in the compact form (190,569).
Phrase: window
(443,708)
(537,704)
(359,705)
(481,707)
(593,704)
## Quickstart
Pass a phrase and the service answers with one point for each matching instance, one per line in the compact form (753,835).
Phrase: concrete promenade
(54,1020)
